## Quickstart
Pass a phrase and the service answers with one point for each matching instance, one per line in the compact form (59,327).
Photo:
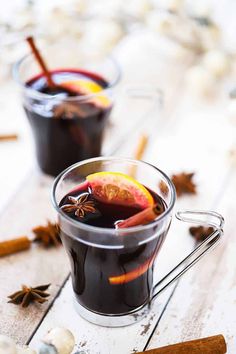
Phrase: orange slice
(86,87)
(133,274)
(119,188)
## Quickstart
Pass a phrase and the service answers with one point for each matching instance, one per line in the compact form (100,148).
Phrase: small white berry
(7,345)
(231,110)
(216,62)
(138,8)
(159,22)
(172,5)
(61,339)
(25,350)
(200,80)
(232,156)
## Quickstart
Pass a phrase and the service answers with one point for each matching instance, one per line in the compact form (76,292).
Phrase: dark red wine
(109,281)
(66,131)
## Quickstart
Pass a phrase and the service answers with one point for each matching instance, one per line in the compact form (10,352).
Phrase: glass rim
(98,229)
(36,94)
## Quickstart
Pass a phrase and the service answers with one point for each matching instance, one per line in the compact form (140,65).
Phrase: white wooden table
(187,135)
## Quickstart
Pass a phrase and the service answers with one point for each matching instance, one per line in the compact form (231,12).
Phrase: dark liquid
(65,132)
(95,271)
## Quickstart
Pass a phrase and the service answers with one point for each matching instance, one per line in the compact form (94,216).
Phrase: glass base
(112,320)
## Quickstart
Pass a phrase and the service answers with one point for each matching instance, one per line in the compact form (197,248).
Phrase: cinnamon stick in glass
(144,217)
(41,62)
(210,345)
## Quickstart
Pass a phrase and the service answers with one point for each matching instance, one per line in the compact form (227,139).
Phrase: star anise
(200,233)
(184,184)
(27,295)
(79,206)
(48,235)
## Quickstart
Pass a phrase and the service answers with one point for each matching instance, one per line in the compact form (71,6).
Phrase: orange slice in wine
(87,87)
(132,275)
(119,188)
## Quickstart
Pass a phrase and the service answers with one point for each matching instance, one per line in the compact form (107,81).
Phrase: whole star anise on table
(183,183)
(48,235)
(28,295)
(200,233)
(79,206)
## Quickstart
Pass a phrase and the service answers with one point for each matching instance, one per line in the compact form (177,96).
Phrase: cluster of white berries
(57,341)
(101,25)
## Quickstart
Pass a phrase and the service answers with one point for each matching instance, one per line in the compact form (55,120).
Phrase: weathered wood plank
(209,293)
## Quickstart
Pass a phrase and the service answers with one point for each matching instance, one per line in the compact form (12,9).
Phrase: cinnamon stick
(8,137)
(144,217)
(210,345)
(138,155)
(41,62)
(14,245)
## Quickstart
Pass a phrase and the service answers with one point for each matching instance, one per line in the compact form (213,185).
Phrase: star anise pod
(27,295)
(184,184)
(200,233)
(79,206)
(48,235)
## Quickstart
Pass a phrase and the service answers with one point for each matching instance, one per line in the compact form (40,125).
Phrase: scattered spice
(28,295)
(48,235)
(200,233)
(8,137)
(79,206)
(184,184)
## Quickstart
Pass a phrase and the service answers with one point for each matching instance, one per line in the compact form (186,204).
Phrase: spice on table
(183,183)
(200,233)
(28,295)
(14,245)
(47,235)
(209,345)
(8,137)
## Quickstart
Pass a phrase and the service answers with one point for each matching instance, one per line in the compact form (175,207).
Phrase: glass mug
(101,258)
(76,131)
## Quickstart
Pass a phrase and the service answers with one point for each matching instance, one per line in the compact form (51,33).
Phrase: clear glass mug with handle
(67,129)
(112,269)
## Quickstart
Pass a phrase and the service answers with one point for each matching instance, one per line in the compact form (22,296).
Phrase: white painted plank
(209,292)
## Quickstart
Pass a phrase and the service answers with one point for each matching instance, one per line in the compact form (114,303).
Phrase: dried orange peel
(119,188)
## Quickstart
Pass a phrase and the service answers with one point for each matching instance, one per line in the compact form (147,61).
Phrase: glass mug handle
(217,222)
(152,93)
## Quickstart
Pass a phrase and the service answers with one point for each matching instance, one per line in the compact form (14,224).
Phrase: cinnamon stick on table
(8,137)
(139,152)
(14,245)
(210,345)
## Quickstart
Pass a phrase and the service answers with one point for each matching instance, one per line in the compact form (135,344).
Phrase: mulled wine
(106,280)
(67,120)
